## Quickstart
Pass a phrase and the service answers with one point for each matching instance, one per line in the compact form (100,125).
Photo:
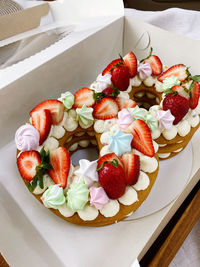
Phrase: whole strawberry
(178,105)
(112,178)
(120,77)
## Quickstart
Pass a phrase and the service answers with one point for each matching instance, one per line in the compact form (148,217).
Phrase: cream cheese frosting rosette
(129,138)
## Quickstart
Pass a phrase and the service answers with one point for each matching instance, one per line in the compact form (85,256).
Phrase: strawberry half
(130,61)
(41,120)
(179,71)
(109,157)
(111,65)
(55,107)
(60,161)
(142,140)
(155,64)
(106,108)
(131,167)
(84,96)
(112,179)
(27,163)
(120,78)
(125,103)
(195,92)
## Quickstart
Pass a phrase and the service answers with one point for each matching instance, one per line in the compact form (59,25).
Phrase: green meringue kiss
(84,114)
(138,113)
(151,122)
(53,197)
(77,196)
(67,99)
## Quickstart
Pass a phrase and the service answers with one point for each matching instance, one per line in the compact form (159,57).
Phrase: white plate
(173,175)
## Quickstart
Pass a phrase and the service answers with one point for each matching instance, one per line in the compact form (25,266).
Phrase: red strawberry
(106,108)
(27,163)
(60,161)
(84,96)
(131,167)
(195,95)
(180,90)
(41,120)
(178,106)
(142,140)
(112,179)
(111,65)
(56,108)
(110,92)
(125,103)
(155,64)
(130,61)
(120,78)
(178,71)
(109,157)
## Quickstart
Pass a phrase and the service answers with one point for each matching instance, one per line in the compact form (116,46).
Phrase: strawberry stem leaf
(170,91)
(191,88)
(41,169)
(150,53)
(196,78)
(114,163)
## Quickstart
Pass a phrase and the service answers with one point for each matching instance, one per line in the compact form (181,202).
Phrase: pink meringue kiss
(124,118)
(165,119)
(144,70)
(98,197)
(27,138)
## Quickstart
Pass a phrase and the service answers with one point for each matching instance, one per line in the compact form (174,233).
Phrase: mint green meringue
(77,196)
(68,99)
(138,113)
(53,197)
(120,142)
(170,82)
(84,114)
(151,122)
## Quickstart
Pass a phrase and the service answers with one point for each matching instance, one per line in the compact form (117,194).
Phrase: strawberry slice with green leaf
(180,71)
(41,120)
(155,63)
(131,167)
(32,166)
(27,163)
(84,96)
(125,103)
(105,109)
(130,61)
(114,63)
(60,161)
(194,92)
(55,107)
(142,140)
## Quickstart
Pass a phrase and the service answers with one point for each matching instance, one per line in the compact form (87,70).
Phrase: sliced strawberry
(84,96)
(109,157)
(178,71)
(27,163)
(41,120)
(106,108)
(194,100)
(142,140)
(180,90)
(56,108)
(111,65)
(130,61)
(131,167)
(125,103)
(60,161)
(155,64)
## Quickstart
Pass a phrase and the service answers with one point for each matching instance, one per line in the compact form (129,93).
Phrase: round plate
(173,175)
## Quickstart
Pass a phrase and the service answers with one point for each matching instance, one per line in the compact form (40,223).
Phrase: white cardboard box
(30,234)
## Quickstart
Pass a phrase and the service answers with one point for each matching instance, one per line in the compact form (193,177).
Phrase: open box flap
(78,18)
